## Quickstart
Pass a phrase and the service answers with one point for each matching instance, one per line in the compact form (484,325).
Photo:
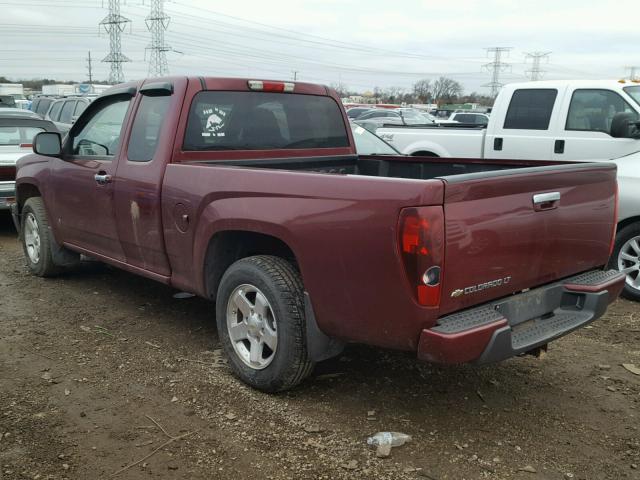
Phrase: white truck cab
(561,120)
(555,120)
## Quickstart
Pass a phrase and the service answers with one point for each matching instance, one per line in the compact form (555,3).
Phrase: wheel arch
(431,148)
(25,191)
(628,221)
(228,246)
(424,153)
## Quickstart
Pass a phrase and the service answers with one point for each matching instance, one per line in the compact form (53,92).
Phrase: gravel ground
(100,369)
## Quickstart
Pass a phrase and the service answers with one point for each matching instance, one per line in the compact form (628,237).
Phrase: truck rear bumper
(514,325)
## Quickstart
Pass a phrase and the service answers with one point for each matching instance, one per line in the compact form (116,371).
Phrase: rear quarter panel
(342,230)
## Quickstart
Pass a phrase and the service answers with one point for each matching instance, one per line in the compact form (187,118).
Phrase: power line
(632,72)
(496,67)
(90,67)
(158,22)
(536,73)
(114,24)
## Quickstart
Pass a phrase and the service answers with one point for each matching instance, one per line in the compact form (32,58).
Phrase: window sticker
(216,121)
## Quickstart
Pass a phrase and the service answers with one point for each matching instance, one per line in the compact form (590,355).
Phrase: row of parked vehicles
(373,118)
(63,112)
(308,232)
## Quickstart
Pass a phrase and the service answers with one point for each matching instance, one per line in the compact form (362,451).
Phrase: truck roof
(230,83)
(615,84)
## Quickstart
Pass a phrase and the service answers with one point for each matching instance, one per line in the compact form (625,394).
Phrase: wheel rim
(252,326)
(32,237)
(629,261)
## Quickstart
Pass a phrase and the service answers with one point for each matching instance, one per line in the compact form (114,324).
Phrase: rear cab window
(530,109)
(224,120)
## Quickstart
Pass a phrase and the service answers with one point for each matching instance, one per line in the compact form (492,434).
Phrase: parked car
(16,137)
(18,112)
(251,193)
(355,112)
(40,105)
(376,118)
(554,120)
(469,118)
(65,111)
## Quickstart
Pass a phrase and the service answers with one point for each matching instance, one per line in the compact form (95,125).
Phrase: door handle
(558,146)
(546,201)
(102,178)
(497,143)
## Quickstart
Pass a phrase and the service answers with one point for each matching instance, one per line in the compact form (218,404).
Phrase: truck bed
(388,166)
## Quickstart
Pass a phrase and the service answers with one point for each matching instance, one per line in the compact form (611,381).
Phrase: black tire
(44,266)
(282,286)
(623,236)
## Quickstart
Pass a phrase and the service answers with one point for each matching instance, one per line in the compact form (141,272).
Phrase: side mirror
(48,144)
(625,125)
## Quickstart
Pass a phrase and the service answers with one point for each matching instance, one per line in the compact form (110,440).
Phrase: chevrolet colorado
(250,193)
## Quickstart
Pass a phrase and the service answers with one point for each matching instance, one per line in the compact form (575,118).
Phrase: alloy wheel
(251,325)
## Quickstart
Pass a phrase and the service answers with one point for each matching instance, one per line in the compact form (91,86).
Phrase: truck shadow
(360,369)
(7,228)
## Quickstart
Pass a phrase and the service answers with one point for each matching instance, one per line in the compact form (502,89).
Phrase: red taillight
(615,222)
(421,242)
(263,86)
(26,145)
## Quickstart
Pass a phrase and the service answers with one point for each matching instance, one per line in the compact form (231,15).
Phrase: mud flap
(319,346)
(61,256)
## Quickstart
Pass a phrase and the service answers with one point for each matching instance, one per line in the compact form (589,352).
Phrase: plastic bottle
(394,439)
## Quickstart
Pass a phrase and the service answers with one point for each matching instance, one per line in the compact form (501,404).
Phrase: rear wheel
(260,318)
(36,241)
(626,258)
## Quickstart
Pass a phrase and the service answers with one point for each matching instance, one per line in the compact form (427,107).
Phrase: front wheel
(36,238)
(626,258)
(261,323)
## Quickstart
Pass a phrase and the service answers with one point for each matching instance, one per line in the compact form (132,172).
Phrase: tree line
(441,91)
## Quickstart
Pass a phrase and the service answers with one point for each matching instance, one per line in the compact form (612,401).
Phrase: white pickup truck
(555,120)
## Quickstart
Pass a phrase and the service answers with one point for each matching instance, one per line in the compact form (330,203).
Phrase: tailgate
(510,230)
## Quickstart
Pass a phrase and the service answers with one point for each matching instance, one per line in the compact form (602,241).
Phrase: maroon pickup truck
(251,193)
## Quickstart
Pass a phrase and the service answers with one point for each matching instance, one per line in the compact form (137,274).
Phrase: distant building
(66,89)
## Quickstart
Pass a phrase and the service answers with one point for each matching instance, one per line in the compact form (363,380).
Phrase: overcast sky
(360,44)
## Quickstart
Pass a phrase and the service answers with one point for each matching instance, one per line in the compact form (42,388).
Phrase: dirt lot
(89,362)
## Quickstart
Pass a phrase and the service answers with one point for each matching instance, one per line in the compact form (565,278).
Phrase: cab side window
(530,109)
(67,111)
(593,110)
(100,135)
(146,128)
(80,107)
